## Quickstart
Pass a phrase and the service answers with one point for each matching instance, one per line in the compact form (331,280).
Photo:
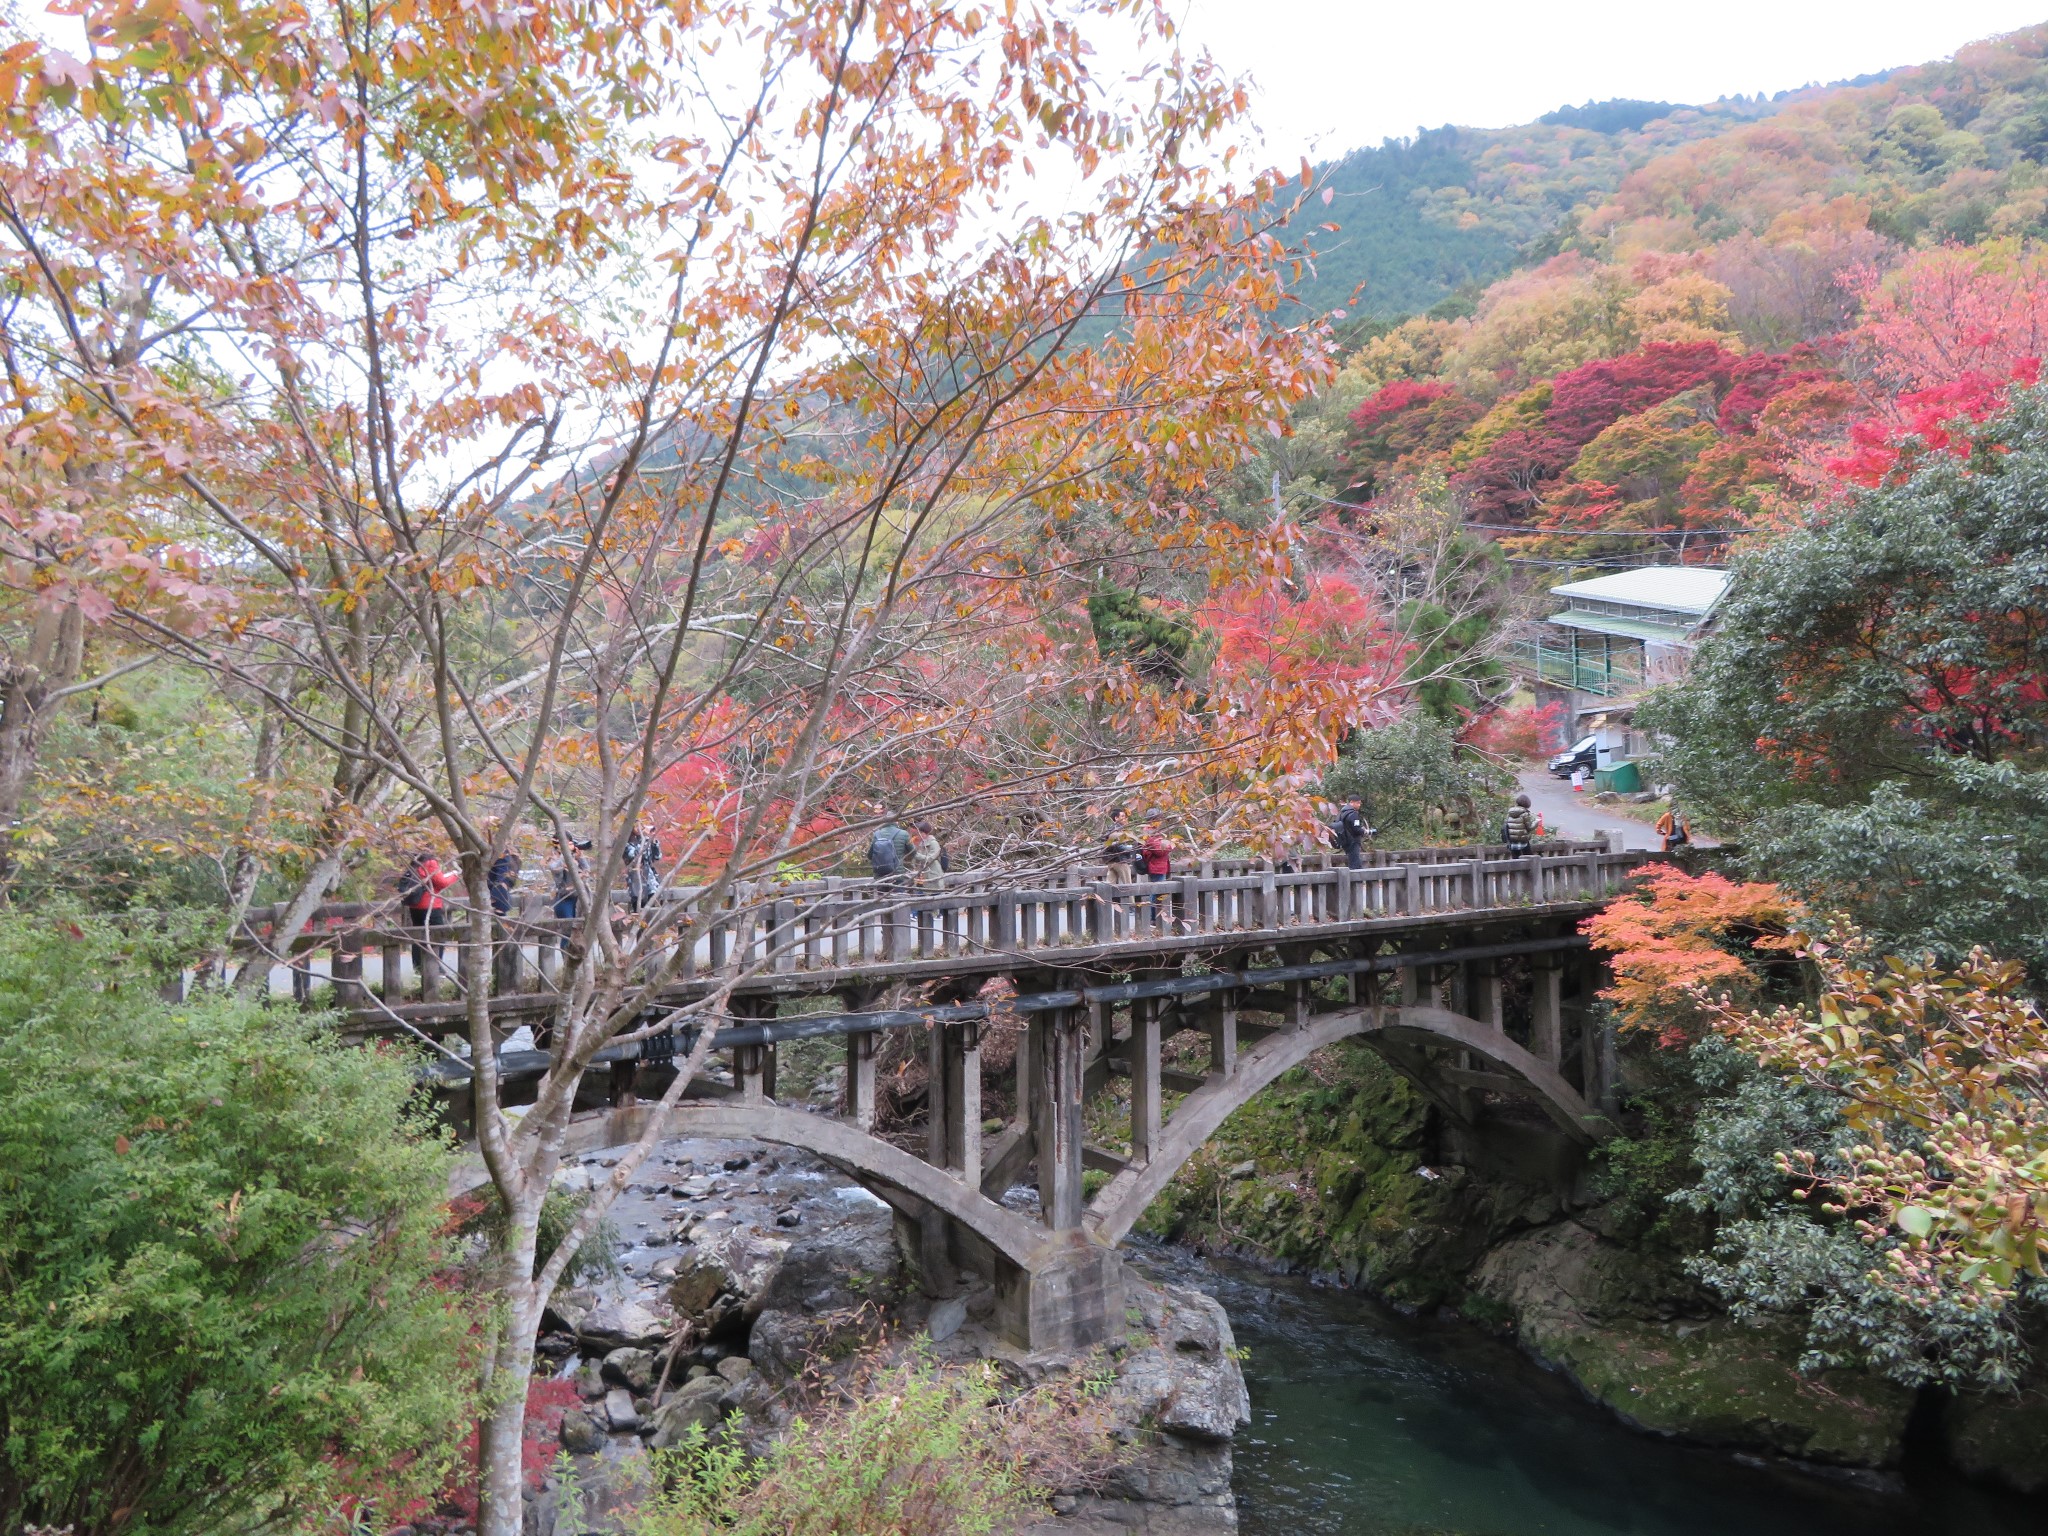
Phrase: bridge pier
(1223,1037)
(1546,1010)
(1058,1067)
(1144,1062)
(858,1095)
(1069,1296)
(1483,995)
(953,1068)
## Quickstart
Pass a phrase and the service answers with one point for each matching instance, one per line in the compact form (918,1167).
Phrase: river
(1365,1423)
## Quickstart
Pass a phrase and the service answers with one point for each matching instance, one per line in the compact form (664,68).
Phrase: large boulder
(633,1369)
(849,1265)
(1186,1379)
(702,1403)
(1584,1305)
(718,1285)
(615,1322)
(1176,1400)
(832,1295)
(580,1433)
(2002,1437)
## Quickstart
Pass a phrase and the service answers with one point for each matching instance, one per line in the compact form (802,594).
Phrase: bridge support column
(1297,1004)
(1580,986)
(1223,1036)
(955,1134)
(753,1073)
(1144,1060)
(1483,994)
(1057,1068)
(859,1093)
(1546,1011)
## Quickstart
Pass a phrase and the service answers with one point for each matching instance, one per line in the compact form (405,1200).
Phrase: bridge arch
(1119,1203)
(869,1158)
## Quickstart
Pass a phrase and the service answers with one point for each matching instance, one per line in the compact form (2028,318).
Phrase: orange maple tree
(586,427)
(1675,940)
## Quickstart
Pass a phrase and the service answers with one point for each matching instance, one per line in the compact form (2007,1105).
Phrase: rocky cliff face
(752,1274)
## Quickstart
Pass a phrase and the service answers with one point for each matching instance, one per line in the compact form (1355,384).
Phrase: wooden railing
(844,925)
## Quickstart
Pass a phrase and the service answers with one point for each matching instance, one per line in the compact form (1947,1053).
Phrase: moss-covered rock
(1324,1172)
(1595,1310)
(2003,1437)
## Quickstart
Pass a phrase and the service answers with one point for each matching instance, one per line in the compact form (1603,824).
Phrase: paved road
(1568,815)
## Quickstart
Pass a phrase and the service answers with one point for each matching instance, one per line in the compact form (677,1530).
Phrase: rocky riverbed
(742,1269)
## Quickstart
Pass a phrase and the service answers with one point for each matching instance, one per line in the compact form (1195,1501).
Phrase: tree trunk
(56,650)
(501,1506)
(244,868)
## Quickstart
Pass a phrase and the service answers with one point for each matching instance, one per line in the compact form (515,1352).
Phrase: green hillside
(1455,208)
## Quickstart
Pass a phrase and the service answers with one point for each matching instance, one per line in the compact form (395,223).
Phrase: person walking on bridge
(503,876)
(1119,852)
(419,892)
(1674,828)
(1156,854)
(1518,830)
(1350,832)
(643,870)
(888,850)
(571,872)
(927,857)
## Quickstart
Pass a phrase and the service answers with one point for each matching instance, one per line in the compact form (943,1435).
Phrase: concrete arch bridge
(1463,968)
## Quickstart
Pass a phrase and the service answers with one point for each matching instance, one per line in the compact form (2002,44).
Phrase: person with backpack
(1518,830)
(888,850)
(1673,828)
(571,873)
(504,874)
(1119,850)
(1349,832)
(419,892)
(643,870)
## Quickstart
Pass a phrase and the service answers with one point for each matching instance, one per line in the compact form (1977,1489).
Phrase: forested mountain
(1629,321)
(1949,149)
(1454,208)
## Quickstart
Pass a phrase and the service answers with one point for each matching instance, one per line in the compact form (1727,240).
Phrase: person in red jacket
(1156,855)
(419,891)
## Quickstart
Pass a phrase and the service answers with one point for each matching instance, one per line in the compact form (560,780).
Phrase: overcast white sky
(1338,74)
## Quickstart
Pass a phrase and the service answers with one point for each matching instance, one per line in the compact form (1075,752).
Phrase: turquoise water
(1368,1424)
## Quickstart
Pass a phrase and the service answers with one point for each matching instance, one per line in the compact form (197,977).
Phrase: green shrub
(916,1451)
(220,1234)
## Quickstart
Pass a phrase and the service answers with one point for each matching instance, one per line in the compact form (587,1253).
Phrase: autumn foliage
(1675,939)
(1943,1077)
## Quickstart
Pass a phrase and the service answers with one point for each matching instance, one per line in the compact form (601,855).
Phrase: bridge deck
(847,936)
